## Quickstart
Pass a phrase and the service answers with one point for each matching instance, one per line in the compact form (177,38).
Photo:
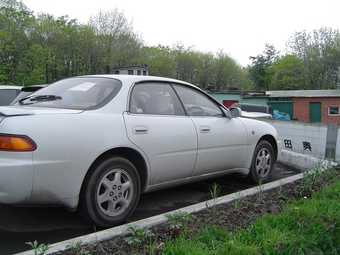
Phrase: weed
(92,245)
(310,178)
(177,221)
(330,171)
(213,202)
(237,202)
(75,245)
(40,249)
(154,248)
(137,235)
(259,193)
(323,172)
(280,192)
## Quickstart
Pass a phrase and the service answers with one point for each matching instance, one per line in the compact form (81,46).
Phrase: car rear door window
(154,98)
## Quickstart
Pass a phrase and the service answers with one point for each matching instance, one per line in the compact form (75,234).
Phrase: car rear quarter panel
(67,145)
(16,177)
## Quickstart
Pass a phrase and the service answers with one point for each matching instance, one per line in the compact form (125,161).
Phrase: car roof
(130,79)
(136,78)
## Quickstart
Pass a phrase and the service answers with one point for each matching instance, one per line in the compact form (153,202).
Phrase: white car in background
(8,93)
(95,143)
(257,115)
(255,110)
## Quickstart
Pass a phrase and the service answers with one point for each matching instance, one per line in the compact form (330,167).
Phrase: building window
(130,72)
(138,72)
(333,110)
(116,72)
(144,72)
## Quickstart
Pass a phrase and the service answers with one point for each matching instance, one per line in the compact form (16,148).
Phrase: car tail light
(16,143)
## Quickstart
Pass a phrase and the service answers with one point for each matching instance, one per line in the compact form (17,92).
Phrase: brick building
(310,105)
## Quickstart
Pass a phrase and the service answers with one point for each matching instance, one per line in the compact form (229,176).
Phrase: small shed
(132,70)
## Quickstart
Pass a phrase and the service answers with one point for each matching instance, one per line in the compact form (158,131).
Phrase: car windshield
(75,93)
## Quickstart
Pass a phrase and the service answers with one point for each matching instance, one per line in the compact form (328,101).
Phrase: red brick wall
(301,108)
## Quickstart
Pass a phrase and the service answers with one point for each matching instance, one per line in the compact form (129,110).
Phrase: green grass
(306,226)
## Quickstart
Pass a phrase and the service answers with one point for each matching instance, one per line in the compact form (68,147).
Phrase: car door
(157,124)
(222,141)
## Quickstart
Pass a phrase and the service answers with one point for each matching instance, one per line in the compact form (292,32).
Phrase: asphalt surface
(48,225)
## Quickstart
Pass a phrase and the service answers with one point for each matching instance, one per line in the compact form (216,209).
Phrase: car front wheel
(262,163)
(110,193)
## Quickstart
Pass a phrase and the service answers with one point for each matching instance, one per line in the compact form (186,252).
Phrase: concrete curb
(301,162)
(289,158)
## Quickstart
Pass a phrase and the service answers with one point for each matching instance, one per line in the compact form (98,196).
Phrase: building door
(315,112)
(228,103)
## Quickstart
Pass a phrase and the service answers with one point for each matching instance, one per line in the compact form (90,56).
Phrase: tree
(287,74)
(32,66)
(117,44)
(68,54)
(226,71)
(205,69)
(260,64)
(7,52)
(15,23)
(44,33)
(87,47)
(186,59)
(159,61)
(320,53)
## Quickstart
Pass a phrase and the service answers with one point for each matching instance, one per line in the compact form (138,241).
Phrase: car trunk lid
(16,111)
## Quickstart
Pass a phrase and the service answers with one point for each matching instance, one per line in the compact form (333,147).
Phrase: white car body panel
(64,165)
(157,137)
(13,190)
(218,147)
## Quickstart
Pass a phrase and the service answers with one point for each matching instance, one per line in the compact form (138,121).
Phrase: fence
(314,139)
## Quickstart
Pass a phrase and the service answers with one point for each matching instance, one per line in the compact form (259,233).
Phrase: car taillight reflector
(16,143)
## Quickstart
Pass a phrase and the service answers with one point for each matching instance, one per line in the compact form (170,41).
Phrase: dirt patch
(233,215)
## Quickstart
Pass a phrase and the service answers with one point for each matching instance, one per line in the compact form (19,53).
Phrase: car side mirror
(233,112)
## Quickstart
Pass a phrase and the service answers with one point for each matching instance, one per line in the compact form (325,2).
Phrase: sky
(241,28)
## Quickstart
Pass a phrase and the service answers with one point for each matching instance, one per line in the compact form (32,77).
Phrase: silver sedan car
(95,143)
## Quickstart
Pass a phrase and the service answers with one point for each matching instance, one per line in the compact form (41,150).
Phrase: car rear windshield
(75,93)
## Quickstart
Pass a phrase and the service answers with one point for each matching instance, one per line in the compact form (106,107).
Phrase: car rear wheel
(262,163)
(110,193)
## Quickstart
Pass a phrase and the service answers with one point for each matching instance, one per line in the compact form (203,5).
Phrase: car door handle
(140,130)
(205,129)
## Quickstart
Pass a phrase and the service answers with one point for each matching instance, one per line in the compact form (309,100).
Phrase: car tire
(110,192)
(262,163)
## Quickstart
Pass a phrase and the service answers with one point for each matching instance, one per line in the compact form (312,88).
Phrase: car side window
(154,98)
(196,103)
